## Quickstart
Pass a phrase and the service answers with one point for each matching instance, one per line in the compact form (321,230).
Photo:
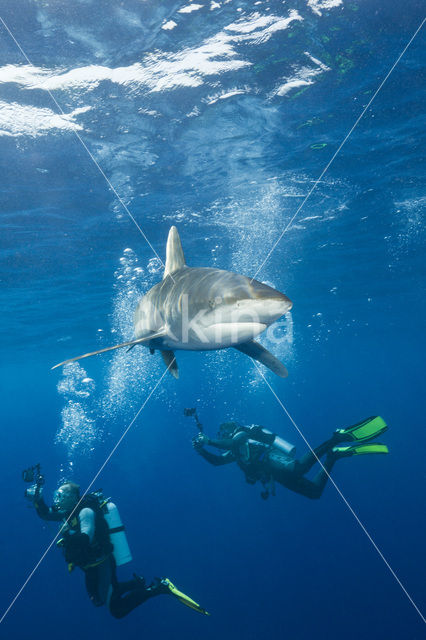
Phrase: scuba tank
(282,445)
(121,551)
(109,531)
(267,437)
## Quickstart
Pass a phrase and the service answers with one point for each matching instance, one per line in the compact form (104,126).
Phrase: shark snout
(268,301)
(273,296)
(265,310)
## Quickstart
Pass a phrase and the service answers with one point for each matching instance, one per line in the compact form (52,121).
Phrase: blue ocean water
(218,117)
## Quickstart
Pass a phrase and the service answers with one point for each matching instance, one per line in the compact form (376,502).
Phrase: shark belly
(214,336)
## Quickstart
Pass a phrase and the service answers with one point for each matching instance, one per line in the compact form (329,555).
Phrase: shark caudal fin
(257,352)
(174,253)
(130,344)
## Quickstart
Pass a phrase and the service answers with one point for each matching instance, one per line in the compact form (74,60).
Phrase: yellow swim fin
(182,597)
(365,430)
(360,449)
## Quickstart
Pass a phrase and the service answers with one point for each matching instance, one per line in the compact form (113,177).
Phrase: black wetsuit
(88,530)
(252,449)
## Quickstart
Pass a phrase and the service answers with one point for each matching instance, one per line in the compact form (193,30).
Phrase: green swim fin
(182,597)
(365,430)
(360,449)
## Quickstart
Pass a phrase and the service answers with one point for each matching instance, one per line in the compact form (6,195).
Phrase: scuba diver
(263,456)
(92,537)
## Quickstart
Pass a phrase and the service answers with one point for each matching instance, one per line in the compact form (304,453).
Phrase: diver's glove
(34,493)
(77,549)
(198,442)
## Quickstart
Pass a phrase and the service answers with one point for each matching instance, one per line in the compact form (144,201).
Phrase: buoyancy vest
(100,546)
(253,447)
(250,455)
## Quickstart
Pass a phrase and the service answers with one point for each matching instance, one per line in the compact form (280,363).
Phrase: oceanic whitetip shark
(199,309)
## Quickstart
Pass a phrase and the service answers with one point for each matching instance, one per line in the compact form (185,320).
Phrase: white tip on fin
(174,253)
(259,353)
(170,362)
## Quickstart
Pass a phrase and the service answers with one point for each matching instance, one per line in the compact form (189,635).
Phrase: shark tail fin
(129,344)
(174,253)
(171,363)
(257,352)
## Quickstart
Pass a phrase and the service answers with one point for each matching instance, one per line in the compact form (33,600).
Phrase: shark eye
(213,302)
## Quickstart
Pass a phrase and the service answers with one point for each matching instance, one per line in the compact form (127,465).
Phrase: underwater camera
(33,474)
(192,413)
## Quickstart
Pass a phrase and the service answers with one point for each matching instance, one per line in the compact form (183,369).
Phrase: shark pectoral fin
(171,363)
(174,253)
(130,344)
(257,352)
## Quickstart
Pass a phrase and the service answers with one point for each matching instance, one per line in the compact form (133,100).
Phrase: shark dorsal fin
(174,253)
